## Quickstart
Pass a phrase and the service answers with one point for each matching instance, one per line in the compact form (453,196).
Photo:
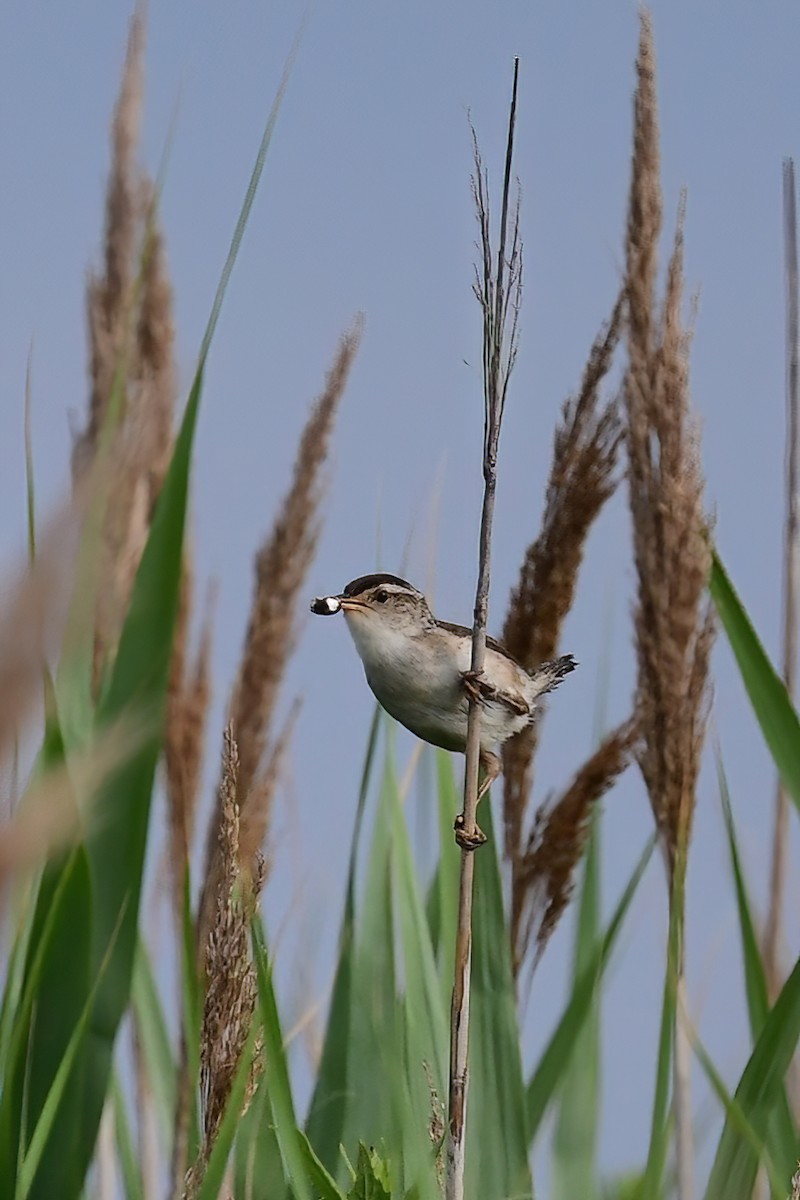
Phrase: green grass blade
(423,1016)
(323,1183)
(759,1096)
(155,1040)
(56,984)
(258,1167)
(117,844)
(754,978)
(781,1135)
(15,974)
(575,1139)
(276,1076)
(423,994)
(58,1088)
(661,1120)
(443,896)
(739,1121)
(556,1057)
(497,1163)
(375,1042)
(768,696)
(126,1150)
(326,1118)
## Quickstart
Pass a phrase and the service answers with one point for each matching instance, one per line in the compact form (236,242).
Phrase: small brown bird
(419,670)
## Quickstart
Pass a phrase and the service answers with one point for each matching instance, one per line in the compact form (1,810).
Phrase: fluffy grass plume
(581,479)
(231,983)
(131,356)
(557,841)
(188,701)
(673,622)
(281,566)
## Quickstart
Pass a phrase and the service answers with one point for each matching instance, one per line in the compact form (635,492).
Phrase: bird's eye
(382,597)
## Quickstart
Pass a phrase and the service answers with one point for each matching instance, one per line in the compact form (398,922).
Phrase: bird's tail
(548,675)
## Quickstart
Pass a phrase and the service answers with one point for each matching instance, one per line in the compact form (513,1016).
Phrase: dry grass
(188,701)
(232,988)
(498,289)
(673,619)
(32,612)
(581,479)
(131,356)
(281,566)
(557,841)
(110,295)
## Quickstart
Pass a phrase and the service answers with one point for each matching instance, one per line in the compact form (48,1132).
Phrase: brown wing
(490,641)
(514,702)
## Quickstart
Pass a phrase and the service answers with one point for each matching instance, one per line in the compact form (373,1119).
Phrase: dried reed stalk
(791,571)
(581,480)
(498,290)
(556,843)
(673,619)
(232,987)
(280,568)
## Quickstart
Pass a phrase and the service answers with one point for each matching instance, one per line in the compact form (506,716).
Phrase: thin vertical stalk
(791,571)
(682,1049)
(495,294)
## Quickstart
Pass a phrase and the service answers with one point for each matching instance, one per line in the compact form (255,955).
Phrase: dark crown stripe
(365,582)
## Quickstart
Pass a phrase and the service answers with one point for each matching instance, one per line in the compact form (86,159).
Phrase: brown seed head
(673,619)
(557,841)
(232,989)
(280,568)
(581,479)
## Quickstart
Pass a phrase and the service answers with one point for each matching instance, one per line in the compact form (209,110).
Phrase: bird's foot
(468,839)
(477,686)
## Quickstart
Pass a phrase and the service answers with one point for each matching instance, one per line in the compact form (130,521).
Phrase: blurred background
(365,207)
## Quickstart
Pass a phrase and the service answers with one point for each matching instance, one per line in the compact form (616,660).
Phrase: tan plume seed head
(673,617)
(582,477)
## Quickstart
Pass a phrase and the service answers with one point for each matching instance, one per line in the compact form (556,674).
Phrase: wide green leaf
(326,1118)
(53,996)
(557,1054)
(29,1160)
(126,1150)
(758,1096)
(154,1037)
(575,1138)
(781,1136)
(497,1163)
(290,1141)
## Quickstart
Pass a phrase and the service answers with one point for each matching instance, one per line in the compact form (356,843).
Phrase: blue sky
(365,206)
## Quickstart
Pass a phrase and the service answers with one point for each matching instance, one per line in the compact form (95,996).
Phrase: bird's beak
(346,602)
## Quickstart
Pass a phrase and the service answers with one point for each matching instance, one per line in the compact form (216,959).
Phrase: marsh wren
(419,670)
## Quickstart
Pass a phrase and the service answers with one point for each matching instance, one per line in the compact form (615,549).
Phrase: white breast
(417,679)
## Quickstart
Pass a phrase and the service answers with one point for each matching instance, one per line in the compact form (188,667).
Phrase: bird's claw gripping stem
(468,839)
